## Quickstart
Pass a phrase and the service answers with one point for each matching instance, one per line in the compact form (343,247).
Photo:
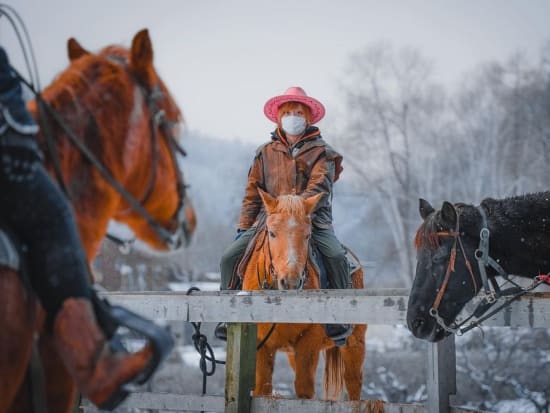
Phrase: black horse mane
(519,229)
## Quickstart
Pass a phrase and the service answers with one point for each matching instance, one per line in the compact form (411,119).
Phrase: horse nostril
(283,284)
(417,323)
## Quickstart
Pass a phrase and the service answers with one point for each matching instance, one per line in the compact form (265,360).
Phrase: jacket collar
(311,133)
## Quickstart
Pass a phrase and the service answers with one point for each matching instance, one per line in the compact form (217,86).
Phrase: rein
(265,284)
(491,295)
(173,240)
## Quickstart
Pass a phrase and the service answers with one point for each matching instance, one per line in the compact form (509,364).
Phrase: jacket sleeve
(252,203)
(324,173)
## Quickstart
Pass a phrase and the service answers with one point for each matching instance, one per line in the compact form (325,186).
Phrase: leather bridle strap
(106,174)
(450,269)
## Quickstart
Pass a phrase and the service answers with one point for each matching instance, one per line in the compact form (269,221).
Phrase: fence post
(441,374)
(240,366)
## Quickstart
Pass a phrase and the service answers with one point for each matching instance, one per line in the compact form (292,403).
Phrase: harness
(491,291)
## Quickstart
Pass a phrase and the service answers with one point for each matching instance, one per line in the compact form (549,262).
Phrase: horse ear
(141,58)
(448,214)
(270,203)
(75,50)
(312,201)
(424,208)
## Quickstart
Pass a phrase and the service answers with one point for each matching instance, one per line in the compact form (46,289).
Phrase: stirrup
(110,317)
(221,331)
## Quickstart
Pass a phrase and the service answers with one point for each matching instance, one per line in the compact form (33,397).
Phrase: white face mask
(293,125)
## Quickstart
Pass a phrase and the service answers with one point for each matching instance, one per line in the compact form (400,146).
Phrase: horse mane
(506,216)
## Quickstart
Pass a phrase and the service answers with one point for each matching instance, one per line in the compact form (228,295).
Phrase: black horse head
(447,272)
(445,242)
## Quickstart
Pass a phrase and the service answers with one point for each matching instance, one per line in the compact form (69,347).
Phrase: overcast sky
(223,59)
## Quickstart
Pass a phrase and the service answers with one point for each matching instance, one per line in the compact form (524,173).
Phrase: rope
(200,341)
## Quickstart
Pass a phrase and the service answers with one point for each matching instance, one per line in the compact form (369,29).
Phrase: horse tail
(334,373)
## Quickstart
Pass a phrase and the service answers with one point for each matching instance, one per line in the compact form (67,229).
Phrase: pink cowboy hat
(294,94)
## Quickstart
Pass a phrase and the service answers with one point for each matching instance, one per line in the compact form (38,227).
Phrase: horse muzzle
(423,326)
(186,224)
(291,283)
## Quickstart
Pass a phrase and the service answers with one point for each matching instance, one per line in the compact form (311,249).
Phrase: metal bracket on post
(240,367)
(441,375)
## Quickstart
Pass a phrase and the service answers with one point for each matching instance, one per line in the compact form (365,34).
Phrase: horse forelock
(426,235)
(292,205)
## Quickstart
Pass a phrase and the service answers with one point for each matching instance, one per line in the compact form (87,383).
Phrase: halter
(158,120)
(491,295)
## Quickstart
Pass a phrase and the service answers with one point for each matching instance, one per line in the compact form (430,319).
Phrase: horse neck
(520,233)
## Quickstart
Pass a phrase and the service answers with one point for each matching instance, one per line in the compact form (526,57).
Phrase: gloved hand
(240,232)
(20,155)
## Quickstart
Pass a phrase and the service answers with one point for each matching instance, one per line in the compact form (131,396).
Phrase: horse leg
(265,362)
(61,389)
(307,358)
(353,355)
(291,360)
(17,318)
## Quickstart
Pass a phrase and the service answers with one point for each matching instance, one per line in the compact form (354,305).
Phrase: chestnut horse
(281,257)
(122,166)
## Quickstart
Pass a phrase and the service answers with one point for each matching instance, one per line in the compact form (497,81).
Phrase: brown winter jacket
(306,168)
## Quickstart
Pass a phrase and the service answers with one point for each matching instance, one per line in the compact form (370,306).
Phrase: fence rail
(383,306)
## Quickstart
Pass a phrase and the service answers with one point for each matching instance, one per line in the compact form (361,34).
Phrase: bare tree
(394,116)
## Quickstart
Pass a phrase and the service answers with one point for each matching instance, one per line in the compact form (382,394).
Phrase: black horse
(462,248)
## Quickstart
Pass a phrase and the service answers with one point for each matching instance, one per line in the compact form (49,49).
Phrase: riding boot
(98,371)
(220,332)
(228,269)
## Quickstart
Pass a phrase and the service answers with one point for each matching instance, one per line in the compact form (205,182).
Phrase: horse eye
(271,234)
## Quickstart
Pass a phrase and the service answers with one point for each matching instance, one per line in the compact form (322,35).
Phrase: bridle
(158,120)
(491,292)
(269,269)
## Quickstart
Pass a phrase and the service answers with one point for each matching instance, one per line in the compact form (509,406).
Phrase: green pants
(332,250)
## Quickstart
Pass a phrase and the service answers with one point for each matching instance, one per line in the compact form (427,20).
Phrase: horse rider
(295,161)
(34,209)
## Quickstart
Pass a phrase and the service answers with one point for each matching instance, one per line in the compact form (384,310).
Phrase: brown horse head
(121,110)
(288,227)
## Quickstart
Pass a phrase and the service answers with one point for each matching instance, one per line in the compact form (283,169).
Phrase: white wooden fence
(383,306)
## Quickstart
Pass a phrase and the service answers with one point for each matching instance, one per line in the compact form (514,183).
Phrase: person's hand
(239,233)
(20,155)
